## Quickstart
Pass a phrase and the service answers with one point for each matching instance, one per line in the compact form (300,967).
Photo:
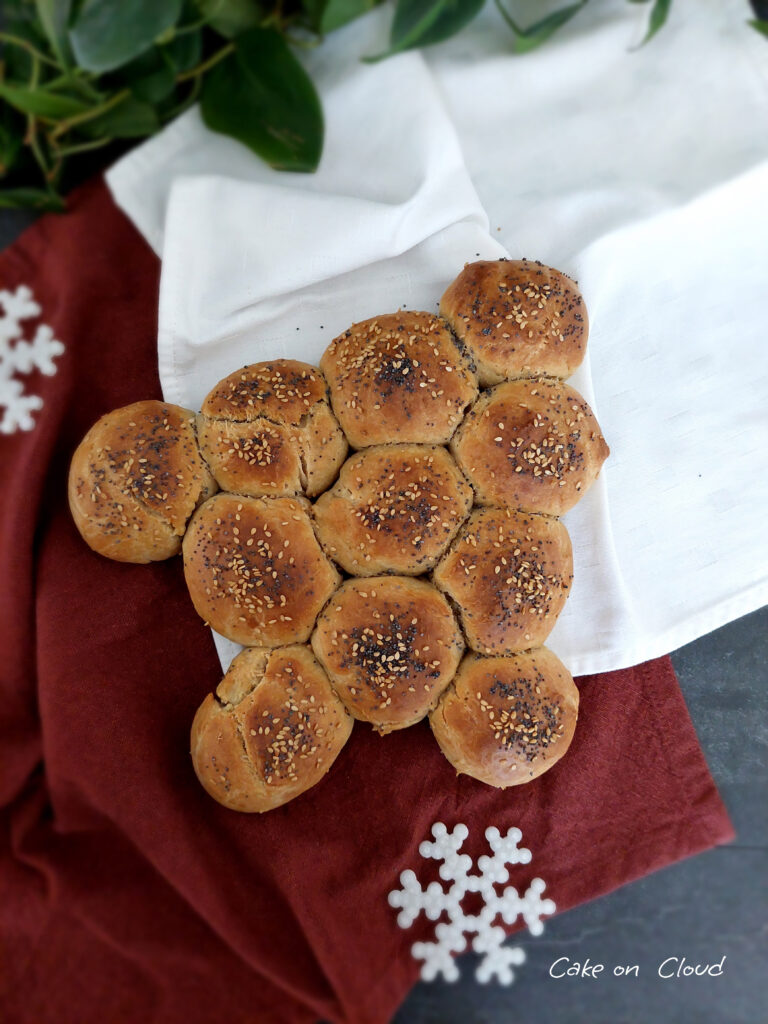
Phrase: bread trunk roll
(268,430)
(393,509)
(271,732)
(517,318)
(505,721)
(530,444)
(255,570)
(509,575)
(390,645)
(135,479)
(399,377)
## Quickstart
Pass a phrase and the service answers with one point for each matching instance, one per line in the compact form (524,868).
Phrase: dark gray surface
(709,906)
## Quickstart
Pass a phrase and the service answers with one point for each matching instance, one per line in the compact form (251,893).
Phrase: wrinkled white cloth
(642,174)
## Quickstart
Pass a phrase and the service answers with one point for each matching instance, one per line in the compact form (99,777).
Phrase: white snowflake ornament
(435,900)
(19,356)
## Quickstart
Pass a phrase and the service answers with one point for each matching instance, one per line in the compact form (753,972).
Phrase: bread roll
(518,318)
(532,445)
(255,570)
(135,479)
(390,645)
(268,430)
(394,509)
(398,377)
(272,730)
(505,721)
(509,574)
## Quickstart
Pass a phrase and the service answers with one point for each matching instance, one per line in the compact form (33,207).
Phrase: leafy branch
(78,76)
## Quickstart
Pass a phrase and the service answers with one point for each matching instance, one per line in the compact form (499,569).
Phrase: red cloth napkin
(126,893)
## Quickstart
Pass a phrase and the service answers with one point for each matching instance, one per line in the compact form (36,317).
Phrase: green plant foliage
(263,97)
(425,22)
(106,34)
(334,14)
(527,39)
(77,74)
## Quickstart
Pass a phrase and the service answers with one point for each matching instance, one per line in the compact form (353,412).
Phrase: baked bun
(518,318)
(398,377)
(272,731)
(268,429)
(505,721)
(509,574)
(530,444)
(255,570)
(390,645)
(135,479)
(394,509)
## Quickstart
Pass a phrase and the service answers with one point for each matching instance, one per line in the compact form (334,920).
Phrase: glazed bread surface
(399,377)
(393,509)
(271,731)
(390,646)
(135,479)
(509,574)
(255,571)
(530,444)
(268,429)
(518,318)
(505,721)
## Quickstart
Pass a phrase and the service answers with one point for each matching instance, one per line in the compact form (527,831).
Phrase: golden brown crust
(518,318)
(505,721)
(509,574)
(283,390)
(390,645)
(394,509)
(255,570)
(532,445)
(268,430)
(135,479)
(272,731)
(398,377)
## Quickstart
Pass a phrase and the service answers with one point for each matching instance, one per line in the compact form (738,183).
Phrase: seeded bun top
(272,730)
(255,570)
(268,429)
(398,377)
(505,721)
(533,445)
(509,574)
(518,318)
(390,645)
(135,479)
(394,509)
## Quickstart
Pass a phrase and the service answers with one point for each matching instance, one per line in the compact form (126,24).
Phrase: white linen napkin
(669,543)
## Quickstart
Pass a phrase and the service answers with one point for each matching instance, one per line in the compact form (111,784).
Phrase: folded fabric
(126,893)
(670,251)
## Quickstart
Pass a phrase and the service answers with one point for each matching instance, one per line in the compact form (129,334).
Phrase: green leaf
(424,22)
(150,77)
(40,102)
(263,97)
(759,26)
(54,16)
(658,16)
(184,51)
(130,119)
(10,144)
(328,15)
(527,39)
(107,34)
(232,17)
(36,198)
